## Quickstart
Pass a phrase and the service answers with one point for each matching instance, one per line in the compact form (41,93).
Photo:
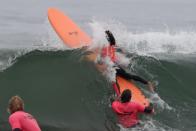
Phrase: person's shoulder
(17,114)
(116,103)
(14,114)
(13,117)
(133,103)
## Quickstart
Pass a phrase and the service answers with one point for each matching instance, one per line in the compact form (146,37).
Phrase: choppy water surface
(65,92)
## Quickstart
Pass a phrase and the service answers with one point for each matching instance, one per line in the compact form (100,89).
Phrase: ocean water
(64,92)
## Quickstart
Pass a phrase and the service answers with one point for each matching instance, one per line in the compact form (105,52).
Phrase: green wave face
(65,92)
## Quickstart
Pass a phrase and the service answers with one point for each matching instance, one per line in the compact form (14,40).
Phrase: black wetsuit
(121,72)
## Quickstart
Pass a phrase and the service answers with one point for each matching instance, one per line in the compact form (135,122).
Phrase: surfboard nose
(69,32)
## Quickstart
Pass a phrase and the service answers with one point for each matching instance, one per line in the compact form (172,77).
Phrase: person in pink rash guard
(20,120)
(127,111)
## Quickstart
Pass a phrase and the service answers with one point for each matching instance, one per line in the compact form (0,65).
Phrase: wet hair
(15,104)
(126,96)
(110,37)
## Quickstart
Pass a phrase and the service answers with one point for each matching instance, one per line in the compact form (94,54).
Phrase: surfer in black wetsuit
(109,51)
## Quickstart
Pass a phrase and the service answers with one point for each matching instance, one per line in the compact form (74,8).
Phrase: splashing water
(145,43)
(149,125)
(158,102)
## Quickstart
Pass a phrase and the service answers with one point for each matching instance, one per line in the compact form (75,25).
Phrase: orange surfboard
(137,95)
(67,30)
(74,37)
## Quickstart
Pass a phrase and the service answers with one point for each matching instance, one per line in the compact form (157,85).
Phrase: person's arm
(149,109)
(15,123)
(116,89)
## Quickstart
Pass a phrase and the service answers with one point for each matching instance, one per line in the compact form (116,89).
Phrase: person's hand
(151,86)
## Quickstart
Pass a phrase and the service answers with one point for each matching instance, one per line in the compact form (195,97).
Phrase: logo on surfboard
(73,33)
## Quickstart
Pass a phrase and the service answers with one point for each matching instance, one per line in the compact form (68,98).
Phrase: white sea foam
(145,43)
(159,103)
(8,57)
(51,42)
(142,43)
(149,125)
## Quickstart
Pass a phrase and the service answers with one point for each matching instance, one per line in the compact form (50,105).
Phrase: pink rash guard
(127,112)
(23,121)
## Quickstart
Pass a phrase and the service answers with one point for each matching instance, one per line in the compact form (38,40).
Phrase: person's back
(24,121)
(127,110)
(20,120)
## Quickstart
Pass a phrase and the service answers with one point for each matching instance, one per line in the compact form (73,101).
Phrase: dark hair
(126,96)
(110,37)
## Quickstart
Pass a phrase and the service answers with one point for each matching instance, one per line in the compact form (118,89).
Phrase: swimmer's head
(126,96)
(15,104)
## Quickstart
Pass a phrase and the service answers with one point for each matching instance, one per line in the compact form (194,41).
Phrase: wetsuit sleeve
(110,37)
(138,78)
(15,123)
(16,129)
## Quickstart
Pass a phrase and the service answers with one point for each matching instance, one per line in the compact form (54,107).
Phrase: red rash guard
(127,112)
(109,51)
